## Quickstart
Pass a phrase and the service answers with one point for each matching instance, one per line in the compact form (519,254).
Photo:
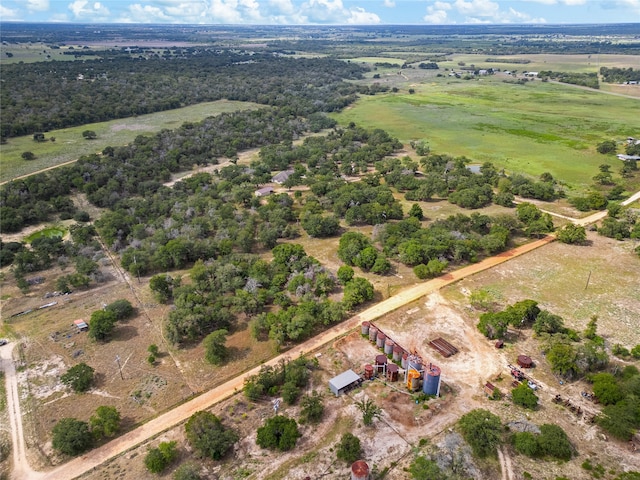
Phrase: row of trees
(38,97)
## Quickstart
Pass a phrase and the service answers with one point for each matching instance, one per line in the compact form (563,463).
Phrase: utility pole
(119,366)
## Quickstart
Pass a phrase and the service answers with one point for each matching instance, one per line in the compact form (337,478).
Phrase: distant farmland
(533,128)
(69,143)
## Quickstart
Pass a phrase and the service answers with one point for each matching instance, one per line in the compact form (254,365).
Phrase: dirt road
(92,459)
(21,468)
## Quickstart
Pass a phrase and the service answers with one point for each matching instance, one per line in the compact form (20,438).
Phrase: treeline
(619,75)
(584,79)
(39,97)
(139,169)
(520,61)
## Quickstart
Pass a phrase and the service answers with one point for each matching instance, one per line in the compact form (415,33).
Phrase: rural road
(21,468)
(96,457)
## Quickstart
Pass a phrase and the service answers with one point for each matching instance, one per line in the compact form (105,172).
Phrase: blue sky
(340,12)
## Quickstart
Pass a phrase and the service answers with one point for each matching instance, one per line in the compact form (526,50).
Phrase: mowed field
(69,143)
(533,128)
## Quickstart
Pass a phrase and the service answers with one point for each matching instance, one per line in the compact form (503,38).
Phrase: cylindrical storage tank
(360,470)
(525,361)
(365,328)
(431,384)
(415,362)
(403,361)
(388,346)
(392,372)
(373,333)
(414,381)
(397,353)
(380,339)
(368,372)
(381,363)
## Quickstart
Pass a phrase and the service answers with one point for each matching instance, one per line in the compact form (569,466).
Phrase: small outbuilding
(282,177)
(344,382)
(81,325)
(499,344)
(489,388)
(263,192)
(524,361)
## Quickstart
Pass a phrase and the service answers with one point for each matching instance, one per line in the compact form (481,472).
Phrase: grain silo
(380,339)
(373,333)
(431,384)
(388,346)
(365,328)
(360,470)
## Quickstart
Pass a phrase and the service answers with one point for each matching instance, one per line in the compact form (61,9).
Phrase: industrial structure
(360,470)
(396,362)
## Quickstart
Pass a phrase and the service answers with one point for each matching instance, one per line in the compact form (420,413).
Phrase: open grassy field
(573,282)
(533,128)
(399,61)
(558,63)
(69,143)
(36,52)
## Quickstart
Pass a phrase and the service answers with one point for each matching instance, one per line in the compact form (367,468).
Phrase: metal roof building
(344,382)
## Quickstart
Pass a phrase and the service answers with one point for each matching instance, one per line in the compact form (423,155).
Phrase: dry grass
(557,278)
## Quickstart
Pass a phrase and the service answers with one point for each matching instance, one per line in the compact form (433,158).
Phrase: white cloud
(389,3)
(282,7)
(95,11)
(477,8)
(37,5)
(144,14)
(359,16)
(334,12)
(9,13)
(633,5)
(437,13)
(436,17)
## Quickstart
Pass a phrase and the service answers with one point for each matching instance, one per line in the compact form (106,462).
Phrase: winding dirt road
(92,459)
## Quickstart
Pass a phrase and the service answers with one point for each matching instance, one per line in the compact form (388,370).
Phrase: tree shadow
(236,353)
(124,333)
(99,380)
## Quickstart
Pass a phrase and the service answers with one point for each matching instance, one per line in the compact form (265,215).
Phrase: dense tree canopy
(206,433)
(71,436)
(279,433)
(79,377)
(482,430)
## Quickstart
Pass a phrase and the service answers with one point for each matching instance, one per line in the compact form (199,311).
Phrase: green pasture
(36,52)
(533,128)
(69,143)
(559,63)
